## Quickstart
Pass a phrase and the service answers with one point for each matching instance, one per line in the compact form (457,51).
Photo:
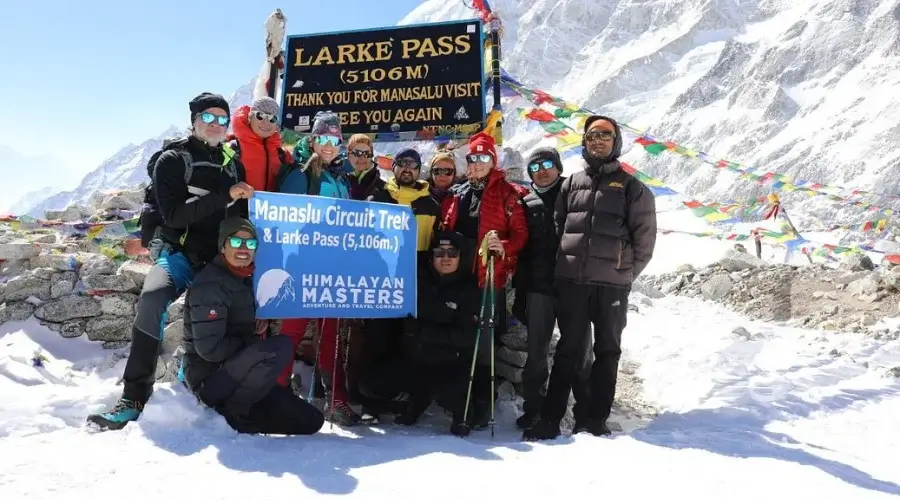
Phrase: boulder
(857,261)
(109,328)
(67,308)
(137,271)
(737,260)
(717,287)
(22,287)
(19,250)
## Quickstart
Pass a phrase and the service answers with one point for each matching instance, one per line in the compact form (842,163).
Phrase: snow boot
(527,420)
(594,427)
(125,411)
(342,414)
(481,415)
(542,430)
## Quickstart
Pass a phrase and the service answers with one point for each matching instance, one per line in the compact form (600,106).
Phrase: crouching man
(232,360)
(440,343)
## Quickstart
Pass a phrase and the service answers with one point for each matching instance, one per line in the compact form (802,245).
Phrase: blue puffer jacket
(302,181)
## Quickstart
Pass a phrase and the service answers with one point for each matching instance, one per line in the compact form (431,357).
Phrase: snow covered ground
(784,413)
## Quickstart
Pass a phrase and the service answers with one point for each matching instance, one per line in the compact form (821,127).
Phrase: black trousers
(580,306)
(246,392)
(165,282)
(539,319)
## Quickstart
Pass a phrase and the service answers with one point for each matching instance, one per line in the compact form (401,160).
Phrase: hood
(406,195)
(465,256)
(243,133)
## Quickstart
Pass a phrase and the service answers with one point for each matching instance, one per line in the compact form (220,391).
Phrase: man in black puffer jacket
(440,342)
(535,291)
(606,220)
(197,183)
(232,360)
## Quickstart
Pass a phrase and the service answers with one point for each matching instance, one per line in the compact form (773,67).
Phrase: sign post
(396,84)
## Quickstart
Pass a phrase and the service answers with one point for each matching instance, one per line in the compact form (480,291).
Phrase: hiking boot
(593,427)
(413,412)
(542,430)
(342,414)
(481,415)
(125,411)
(527,420)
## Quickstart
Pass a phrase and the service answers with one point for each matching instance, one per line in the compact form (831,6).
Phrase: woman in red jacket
(488,202)
(259,142)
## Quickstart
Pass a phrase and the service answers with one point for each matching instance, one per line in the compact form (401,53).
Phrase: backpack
(150,219)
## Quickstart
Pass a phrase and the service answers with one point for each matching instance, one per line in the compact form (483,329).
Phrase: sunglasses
(332,140)
(482,158)
(407,163)
(266,117)
(237,241)
(446,252)
(359,153)
(599,134)
(443,171)
(208,118)
(544,164)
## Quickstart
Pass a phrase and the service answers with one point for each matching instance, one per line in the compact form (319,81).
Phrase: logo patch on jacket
(451,305)
(212,314)
(615,184)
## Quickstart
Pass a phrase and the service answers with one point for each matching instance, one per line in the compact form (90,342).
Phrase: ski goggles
(208,118)
(266,117)
(599,134)
(538,165)
(443,171)
(237,242)
(332,140)
(359,153)
(479,158)
(446,252)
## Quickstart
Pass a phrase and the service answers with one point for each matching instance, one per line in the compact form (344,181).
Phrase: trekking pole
(318,343)
(493,305)
(337,350)
(465,419)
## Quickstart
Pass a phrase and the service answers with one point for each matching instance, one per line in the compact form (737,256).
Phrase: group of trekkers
(570,247)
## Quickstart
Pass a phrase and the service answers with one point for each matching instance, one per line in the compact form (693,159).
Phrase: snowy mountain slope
(16,170)
(807,88)
(775,413)
(128,166)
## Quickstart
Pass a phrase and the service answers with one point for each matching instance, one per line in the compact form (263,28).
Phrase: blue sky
(85,78)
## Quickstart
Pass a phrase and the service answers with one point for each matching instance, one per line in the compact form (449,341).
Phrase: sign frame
(396,136)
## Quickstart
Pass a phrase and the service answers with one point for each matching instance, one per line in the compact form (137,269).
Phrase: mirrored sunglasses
(333,140)
(446,252)
(266,117)
(594,135)
(359,153)
(479,158)
(208,118)
(443,171)
(237,241)
(543,164)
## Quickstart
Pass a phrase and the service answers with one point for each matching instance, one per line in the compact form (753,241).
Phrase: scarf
(542,190)
(335,168)
(240,272)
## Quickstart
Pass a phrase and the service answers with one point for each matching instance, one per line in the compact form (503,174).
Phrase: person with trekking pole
(487,210)
(606,223)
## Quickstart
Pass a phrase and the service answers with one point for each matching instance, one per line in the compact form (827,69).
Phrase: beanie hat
(326,123)
(265,105)
(206,101)
(481,143)
(232,225)
(541,154)
(359,139)
(408,153)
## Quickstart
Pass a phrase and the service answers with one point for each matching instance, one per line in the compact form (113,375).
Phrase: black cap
(447,238)
(206,101)
(232,225)
(546,153)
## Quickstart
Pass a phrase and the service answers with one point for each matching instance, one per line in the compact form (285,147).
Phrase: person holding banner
(488,206)
(323,175)
(232,360)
